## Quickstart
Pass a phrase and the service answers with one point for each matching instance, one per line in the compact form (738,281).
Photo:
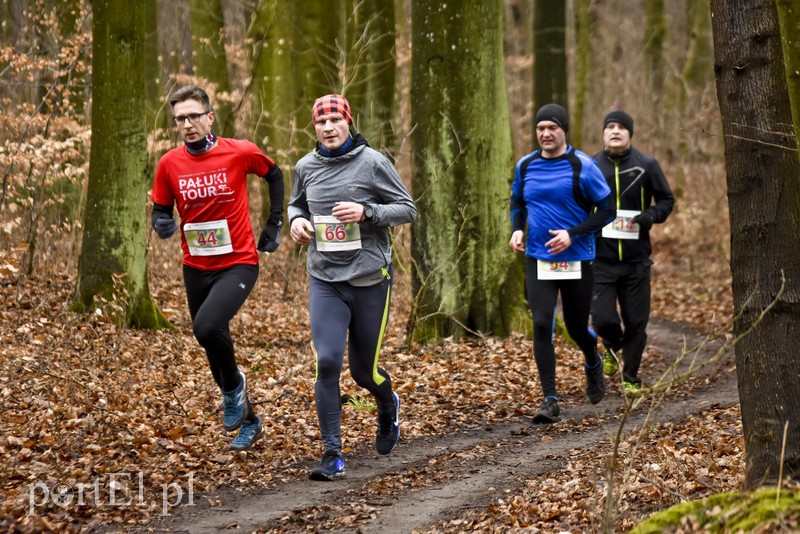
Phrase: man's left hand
(560,242)
(348,212)
(270,238)
(644,220)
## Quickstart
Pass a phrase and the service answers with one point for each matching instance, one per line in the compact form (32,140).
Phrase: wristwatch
(369,212)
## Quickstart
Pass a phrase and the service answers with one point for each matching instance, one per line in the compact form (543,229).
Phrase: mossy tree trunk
(294,62)
(113,259)
(175,45)
(549,54)
(583,53)
(655,36)
(789,18)
(700,55)
(155,110)
(303,51)
(210,60)
(696,76)
(273,88)
(763,171)
(465,276)
(370,68)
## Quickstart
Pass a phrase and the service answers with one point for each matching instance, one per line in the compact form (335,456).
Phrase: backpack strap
(575,163)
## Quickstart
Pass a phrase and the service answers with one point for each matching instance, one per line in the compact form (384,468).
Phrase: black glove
(270,238)
(644,220)
(165,226)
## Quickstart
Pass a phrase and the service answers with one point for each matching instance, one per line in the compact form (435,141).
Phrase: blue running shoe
(388,427)
(249,433)
(330,467)
(235,406)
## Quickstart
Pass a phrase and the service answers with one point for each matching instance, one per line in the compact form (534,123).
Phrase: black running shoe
(595,382)
(388,427)
(547,412)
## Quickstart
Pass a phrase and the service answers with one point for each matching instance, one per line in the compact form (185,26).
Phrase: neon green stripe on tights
(377,377)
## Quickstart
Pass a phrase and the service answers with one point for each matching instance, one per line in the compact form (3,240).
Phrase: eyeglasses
(193,117)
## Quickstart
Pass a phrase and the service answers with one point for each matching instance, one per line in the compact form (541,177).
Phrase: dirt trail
(461,471)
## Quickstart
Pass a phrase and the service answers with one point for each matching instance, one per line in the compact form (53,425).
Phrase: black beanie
(620,117)
(555,113)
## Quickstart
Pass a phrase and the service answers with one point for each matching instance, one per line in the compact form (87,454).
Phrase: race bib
(558,270)
(208,238)
(622,227)
(332,235)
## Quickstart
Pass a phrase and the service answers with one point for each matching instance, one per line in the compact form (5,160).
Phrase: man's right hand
(301,231)
(165,226)
(517,242)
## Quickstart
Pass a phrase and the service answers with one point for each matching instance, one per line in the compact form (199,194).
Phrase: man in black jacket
(622,264)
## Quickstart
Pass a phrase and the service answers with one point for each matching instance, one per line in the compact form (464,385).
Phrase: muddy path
(437,477)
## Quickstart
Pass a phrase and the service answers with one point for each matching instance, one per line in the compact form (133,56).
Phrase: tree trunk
(465,277)
(155,110)
(175,44)
(699,56)
(789,17)
(210,60)
(294,62)
(583,32)
(655,36)
(285,81)
(113,260)
(549,54)
(695,77)
(764,198)
(370,69)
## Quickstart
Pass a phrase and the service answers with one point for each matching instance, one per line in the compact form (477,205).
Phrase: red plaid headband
(328,104)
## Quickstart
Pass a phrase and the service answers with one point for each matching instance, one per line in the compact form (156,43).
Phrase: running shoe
(631,389)
(388,427)
(595,383)
(610,363)
(547,412)
(330,467)
(249,433)
(235,406)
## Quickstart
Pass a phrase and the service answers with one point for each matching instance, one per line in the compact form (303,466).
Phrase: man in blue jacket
(560,197)
(642,198)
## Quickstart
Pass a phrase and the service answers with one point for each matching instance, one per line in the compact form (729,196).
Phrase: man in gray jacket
(344,199)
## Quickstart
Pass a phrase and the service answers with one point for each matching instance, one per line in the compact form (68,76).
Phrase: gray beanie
(555,113)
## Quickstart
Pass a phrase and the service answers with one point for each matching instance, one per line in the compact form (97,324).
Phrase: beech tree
(549,54)
(113,258)
(210,61)
(763,174)
(370,70)
(655,36)
(465,277)
(292,65)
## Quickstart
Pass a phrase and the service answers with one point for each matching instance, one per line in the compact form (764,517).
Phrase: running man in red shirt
(206,179)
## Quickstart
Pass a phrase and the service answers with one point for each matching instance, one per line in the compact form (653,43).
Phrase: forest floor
(111,429)
(430,483)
